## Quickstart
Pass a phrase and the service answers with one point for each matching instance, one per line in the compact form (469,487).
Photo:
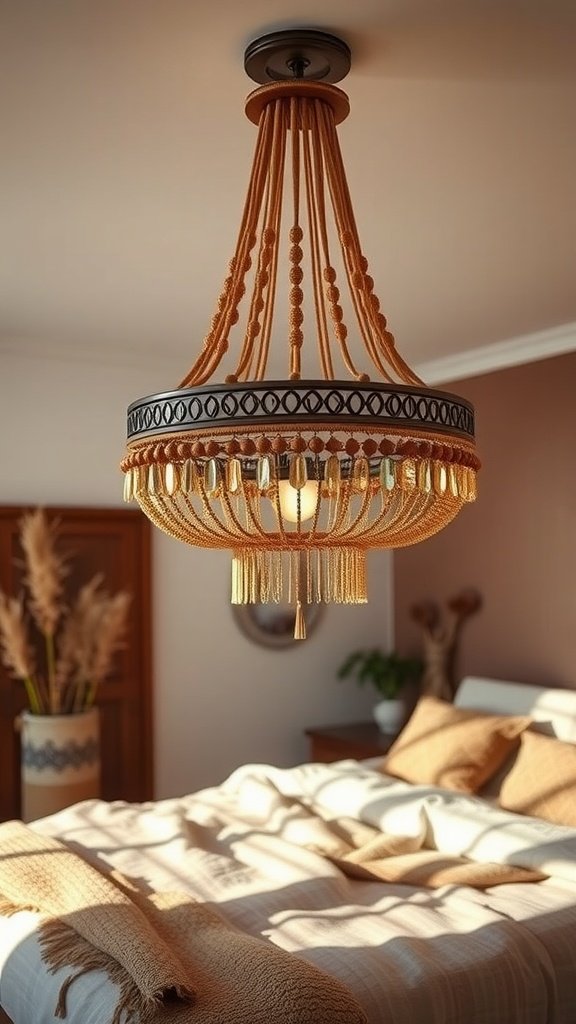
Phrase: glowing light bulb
(288,498)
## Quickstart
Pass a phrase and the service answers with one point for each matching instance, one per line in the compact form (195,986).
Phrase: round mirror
(272,625)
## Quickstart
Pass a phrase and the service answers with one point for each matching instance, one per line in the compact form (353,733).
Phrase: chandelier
(300,474)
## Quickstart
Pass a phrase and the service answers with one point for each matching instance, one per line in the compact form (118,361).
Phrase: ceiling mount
(297,53)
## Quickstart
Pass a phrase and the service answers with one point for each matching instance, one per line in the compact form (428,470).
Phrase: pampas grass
(78,643)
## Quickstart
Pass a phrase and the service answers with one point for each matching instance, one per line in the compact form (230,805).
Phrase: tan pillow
(452,747)
(542,782)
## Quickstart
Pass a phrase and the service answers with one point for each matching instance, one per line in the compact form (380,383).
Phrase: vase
(389,715)
(60,761)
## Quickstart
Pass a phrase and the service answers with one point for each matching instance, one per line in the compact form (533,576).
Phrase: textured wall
(517,544)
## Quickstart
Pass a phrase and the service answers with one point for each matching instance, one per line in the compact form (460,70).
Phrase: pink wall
(517,544)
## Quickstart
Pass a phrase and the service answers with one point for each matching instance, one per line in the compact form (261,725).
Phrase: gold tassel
(300,623)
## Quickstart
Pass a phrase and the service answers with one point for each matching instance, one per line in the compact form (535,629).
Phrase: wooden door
(115,542)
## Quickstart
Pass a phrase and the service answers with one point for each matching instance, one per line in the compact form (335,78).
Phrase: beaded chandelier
(300,476)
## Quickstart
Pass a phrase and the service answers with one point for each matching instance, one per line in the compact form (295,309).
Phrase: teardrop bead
(211,477)
(424,476)
(263,473)
(128,485)
(439,478)
(387,474)
(155,480)
(171,478)
(233,476)
(188,477)
(332,475)
(408,474)
(298,474)
(360,475)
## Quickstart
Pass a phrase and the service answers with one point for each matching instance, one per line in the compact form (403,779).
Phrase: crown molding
(526,348)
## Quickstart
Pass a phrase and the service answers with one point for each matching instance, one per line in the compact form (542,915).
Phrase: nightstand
(337,742)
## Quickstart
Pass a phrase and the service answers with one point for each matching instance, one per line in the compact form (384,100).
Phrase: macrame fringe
(62,947)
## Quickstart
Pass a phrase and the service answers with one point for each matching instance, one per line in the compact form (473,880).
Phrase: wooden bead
(298,444)
(212,449)
(352,446)
(316,445)
(263,445)
(233,446)
(333,445)
(386,447)
(279,445)
(247,446)
(369,447)
(198,449)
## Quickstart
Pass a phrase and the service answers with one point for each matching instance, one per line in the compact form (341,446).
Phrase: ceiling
(126,152)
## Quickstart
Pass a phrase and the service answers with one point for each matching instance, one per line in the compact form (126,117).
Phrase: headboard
(553,707)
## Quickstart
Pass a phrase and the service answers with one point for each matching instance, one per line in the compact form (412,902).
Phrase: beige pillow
(452,747)
(542,782)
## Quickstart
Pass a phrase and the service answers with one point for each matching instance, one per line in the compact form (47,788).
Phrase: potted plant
(388,674)
(61,653)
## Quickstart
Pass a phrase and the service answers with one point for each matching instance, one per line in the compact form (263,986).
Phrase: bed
(271,852)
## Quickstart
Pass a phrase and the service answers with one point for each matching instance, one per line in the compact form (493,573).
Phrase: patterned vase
(60,761)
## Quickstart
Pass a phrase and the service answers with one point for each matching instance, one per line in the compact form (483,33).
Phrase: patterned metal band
(60,757)
(309,403)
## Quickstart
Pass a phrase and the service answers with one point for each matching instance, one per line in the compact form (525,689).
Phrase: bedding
(453,747)
(275,852)
(542,781)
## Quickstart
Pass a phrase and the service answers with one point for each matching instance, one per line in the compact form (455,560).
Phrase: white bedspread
(452,955)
